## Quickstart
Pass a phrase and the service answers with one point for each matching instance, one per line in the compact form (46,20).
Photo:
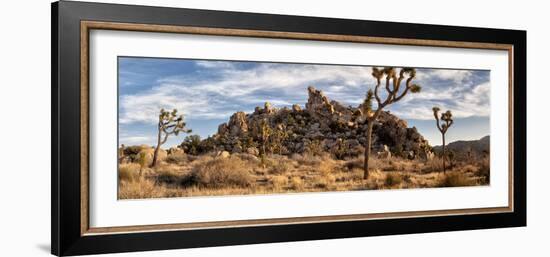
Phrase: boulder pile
(323,126)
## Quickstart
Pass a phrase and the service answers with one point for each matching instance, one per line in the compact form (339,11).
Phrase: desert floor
(238,174)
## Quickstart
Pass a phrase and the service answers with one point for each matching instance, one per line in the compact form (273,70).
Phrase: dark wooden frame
(70,24)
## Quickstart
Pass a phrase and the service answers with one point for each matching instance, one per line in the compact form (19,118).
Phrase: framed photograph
(179,128)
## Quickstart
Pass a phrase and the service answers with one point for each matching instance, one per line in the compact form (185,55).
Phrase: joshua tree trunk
(367,151)
(443,155)
(155,154)
(447,119)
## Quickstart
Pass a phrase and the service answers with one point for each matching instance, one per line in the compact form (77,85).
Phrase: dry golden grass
(297,184)
(177,158)
(241,174)
(455,179)
(221,172)
(139,188)
(279,182)
(392,180)
(281,167)
(128,171)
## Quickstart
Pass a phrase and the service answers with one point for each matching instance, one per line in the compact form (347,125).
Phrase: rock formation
(324,125)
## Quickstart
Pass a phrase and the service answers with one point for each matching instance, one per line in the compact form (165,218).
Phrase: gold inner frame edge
(86,26)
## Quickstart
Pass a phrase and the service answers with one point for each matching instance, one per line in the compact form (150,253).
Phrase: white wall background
(25,145)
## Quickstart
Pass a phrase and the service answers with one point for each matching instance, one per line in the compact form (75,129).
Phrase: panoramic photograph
(189,127)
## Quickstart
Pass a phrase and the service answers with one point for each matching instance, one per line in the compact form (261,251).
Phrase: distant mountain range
(461,147)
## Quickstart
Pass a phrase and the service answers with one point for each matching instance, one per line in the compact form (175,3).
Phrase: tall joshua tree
(447,120)
(394,92)
(169,124)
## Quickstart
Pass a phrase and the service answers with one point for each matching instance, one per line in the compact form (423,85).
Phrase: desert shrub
(340,150)
(176,158)
(455,179)
(297,183)
(134,149)
(167,175)
(355,164)
(484,171)
(406,178)
(128,172)
(393,166)
(392,180)
(266,162)
(398,150)
(221,172)
(138,189)
(315,147)
(248,157)
(357,174)
(192,158)
(281,167)
(433,165)
(469,168)
(376,179)
(307,159)
(326,167)
(192,144)
(278,182)
(325,181)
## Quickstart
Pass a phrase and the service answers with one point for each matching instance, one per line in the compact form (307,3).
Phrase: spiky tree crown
(446,117)
(171,123)
(394,90)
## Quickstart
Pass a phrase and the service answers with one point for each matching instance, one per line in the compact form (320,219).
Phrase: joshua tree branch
(390,92)
(164,139)
(402,94)
(436,112)
(376,92)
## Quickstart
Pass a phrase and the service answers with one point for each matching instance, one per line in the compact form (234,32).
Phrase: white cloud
(462,101)
(214,64)
(219,97)
(444,74)
(134,140)
(229,88)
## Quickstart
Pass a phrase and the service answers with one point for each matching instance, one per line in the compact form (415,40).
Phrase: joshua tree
(447,120)
(394,93)
(265,134)
(169,124)
(121,155)
(279,136)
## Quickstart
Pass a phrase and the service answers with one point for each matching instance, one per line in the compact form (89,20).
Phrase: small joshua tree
(447,120)
(169,124)
(394,92)
(265,134)
(279,136)
(121,155)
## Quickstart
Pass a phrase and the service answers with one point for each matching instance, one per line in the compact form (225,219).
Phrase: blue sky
(208,92)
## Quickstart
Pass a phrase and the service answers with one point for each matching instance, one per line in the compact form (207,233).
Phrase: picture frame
(71,129)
